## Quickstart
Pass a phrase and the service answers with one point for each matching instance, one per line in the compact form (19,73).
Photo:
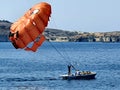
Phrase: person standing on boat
(69,69)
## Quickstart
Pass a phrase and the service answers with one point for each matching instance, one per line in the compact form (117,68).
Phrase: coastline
(57,35)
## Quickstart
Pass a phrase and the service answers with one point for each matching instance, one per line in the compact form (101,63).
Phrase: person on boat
(77,73)
(69,69)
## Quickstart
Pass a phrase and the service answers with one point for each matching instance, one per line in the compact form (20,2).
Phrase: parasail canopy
(30,27)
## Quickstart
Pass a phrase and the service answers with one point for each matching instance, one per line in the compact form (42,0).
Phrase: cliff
(99,37)
(58,35)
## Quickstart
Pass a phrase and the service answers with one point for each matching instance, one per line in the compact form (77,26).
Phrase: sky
(73,15)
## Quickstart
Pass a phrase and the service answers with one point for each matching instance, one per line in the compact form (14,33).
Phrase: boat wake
(25,79)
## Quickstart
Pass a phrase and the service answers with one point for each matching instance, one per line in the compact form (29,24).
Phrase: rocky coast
(57,35)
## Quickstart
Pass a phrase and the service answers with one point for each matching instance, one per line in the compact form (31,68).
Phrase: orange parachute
(29,28)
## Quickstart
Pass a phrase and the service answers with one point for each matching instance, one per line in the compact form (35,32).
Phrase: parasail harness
(11,36)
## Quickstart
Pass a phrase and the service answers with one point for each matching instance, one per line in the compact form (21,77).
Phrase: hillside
(4,30)
(65,36)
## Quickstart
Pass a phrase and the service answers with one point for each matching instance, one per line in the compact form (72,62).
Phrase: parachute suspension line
(68,58)
(51,42)
(66,53)
(57,50)
(54,22)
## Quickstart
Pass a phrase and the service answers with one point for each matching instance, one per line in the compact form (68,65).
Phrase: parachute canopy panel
(30,27)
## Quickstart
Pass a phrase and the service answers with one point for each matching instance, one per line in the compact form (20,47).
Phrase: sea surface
(41,70)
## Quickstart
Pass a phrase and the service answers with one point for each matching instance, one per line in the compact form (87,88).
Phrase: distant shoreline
(57,35)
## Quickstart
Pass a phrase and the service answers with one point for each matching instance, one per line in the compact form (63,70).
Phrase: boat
(85,75)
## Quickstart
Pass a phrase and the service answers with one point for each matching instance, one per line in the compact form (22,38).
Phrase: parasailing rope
(65,56)
(57,50)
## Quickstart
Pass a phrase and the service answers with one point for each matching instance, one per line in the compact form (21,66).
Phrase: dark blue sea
(23,70)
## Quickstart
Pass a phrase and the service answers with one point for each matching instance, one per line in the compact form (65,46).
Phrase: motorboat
(78,74)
